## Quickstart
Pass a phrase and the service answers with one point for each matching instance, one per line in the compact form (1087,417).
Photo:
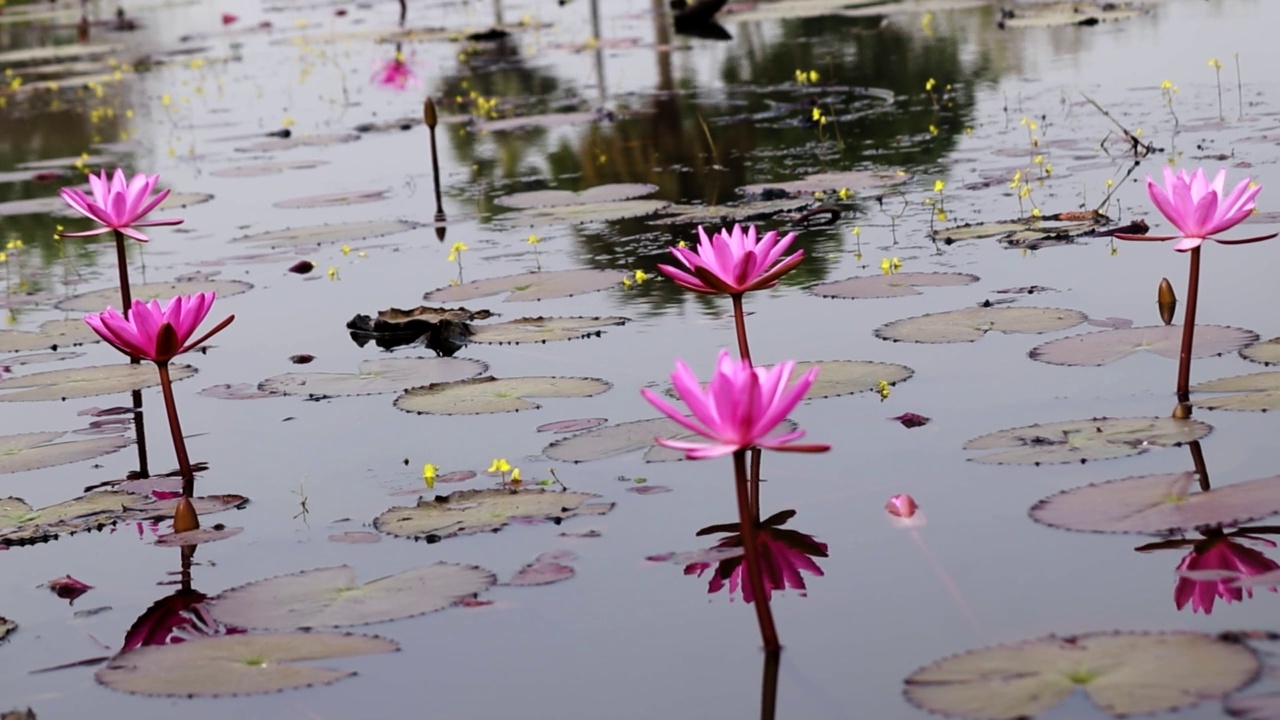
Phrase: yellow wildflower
(429,475)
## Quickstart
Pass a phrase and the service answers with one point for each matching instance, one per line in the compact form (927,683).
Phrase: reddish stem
(740,322)
(751,555)
(175,429)
(1189,328)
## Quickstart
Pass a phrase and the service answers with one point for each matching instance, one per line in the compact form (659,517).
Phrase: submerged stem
(769,685)
(140,430)
(175,429)
(751,555)
(740,323)
(1189,328)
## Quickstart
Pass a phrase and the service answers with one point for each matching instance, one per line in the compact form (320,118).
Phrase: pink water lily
(157,332)
(1216,571)
(1198,208)
(395,74)
(732,263)
(738,409)
(118,204)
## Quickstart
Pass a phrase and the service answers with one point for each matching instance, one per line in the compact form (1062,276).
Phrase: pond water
(191,95)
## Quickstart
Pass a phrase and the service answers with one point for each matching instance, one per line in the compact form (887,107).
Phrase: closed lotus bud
(1182,411)
(429,113)
(1167,301)
(185,518)
(901,505)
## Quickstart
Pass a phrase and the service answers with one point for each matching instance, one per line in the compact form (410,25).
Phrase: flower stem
(175,429)
(1189,328)
(751,555)
(122,263)
(740,322)
(769,685)
(756,454)
(141,431)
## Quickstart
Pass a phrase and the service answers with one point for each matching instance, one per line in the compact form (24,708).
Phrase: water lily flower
(738,409)
(784,553)
(1216,571)
(154,331)
(118,204)
(732,263)
(1199,209)
(395,74)
(901,505)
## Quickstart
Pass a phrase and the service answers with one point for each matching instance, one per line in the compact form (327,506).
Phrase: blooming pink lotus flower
(1215,571)
(738,409)
(154,331)
(732,263)
(784,555)
(118,204)
(1198,208)
(395,74)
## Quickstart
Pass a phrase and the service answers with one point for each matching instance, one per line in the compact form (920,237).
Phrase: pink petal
(161,221)
(86,233)
(1241,241)
(1188,243)
(667,409)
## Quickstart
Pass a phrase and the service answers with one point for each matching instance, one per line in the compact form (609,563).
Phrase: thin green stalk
(751,556)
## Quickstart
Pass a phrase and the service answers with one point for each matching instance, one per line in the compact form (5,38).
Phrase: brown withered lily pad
(543,329)
(444,330)
(1104,348)
(32,451)
(54,333)
(1031,232)
(612,440)
(22,525)
(7,627)
(1258,391)
(560,198)
(972,324)
(375,377)
(547,568)
(531,286)
(467,512)
(340,199)
(482,395)
(331,597)
(162,291)
(1266,352)
(349,232)
(1158,505)
(1085,440)
(236,665)
(1122,674)
(86,382)
(886,286)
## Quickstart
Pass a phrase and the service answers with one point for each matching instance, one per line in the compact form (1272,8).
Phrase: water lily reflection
(785,555)
(1221,567)
(395,74)
(176,618)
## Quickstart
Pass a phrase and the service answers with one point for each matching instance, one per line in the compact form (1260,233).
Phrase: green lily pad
(1266,352)
(483,395)
(729,214)
(1158,505)
(886,286)
(340,199)
(235,665)
(86,382)
(327,234)
(612,440)
(1084,440)
(375,377)
(1122,674)
(581,214)
(974,323)
(543,329)
(561,198)
(330,597)
(59,333)
(1258,391)
(32,451)
(42,358)
(21,525)
(467,512)
(1108,346)
(846,377)
(110,297)
(531,286)
(1017,232)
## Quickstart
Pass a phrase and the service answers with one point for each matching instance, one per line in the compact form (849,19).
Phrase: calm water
(627,638)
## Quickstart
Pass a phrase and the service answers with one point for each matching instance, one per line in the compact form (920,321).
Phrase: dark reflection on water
(177,617)
(787,555)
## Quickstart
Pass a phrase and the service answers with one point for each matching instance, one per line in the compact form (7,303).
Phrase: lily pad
(852,180)
(1122,673)
(845,377)
(544,570)
(1158,505)
(1258,391)
(237,391)
(328,234)
(100,299)
(330,597)
(1266,352)
(561,198)
(467,512)
(340,199)
(374,377)
(1084,440)
(234,665)
(267,168)
(612,440)
(32,451)
(886,286)
(581,214)
(199,536)
(531,286)
(86,382)
(1018,232)
(1104,348)
(543,329)
(727,214)
(21,525)
(41,358)
(297,141)
(53,333)
(482,395)
(568,426)
(1057,14)
(972,324)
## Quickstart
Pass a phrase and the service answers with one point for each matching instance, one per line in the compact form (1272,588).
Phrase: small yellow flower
(895,263)
(857,255)
(930,84)
(886,267)
(499,465)
(13,245)
(1110,182)
(333,272)
(1167,85)
(816,114)
(883,389)
(813,76)
(941,215)
(857,230)
(844,193)
(1114,251)
(1039,160)
(933,129)
(4,257)
(429,475)
(287,122)
(939,186)
(1035,212)
(1025,192)
(361,254)
(346,249)
(1215,63)
(533,240)
(818,195)
(515,476)
(682,244)
(627,282)
(456,250)
(641,276)
(1048,168)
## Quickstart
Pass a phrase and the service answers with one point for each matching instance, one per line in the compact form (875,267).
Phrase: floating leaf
(297,141)
(328,234)
(52,333)
(531,286)
(972,324)
(568,426)
(467,512)
(267,168)
(41,358)
(852,180)
(1056,14)
(32,451)
(374,377)
(330,597)
(200,536)
(729,214)
(885,286)
(1082,440)
(544,570)
(1259,391)
(543,329)
(648,489)
(1122,673)
(845,377)
(110,297)
(1158,505)
(86,382)
(7,627)
(578,214)
(20,525)
(1019,233)
(1104,348)
(610,440)
(478,396)
(1266,352)
(356,537)
(590,196)
(234,665)
(340,199)
(238,391)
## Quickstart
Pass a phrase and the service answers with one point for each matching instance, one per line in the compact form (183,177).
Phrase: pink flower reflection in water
(784,555)
(1220,568)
